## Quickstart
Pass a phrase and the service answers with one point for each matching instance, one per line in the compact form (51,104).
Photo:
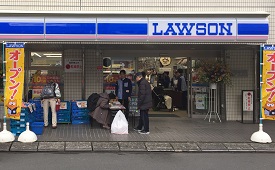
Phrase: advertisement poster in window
(201,101)
(39,79)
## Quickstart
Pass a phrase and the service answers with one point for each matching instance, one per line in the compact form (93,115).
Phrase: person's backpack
(92,101)
(48,91)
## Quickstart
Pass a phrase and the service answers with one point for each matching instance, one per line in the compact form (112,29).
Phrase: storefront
(71,49)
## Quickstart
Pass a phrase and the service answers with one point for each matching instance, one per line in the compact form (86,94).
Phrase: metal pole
(83,74)
(261,79)
(4,78)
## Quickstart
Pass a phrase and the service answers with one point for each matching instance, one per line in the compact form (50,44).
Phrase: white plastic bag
(119,124)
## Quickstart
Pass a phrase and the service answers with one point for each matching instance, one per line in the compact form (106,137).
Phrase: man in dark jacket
(182,87)
(124,91)
(144,103)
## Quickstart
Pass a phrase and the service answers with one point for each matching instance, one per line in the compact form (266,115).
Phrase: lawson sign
(193,29)
(134,29)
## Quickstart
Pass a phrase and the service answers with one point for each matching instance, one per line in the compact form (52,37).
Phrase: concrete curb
(136,147)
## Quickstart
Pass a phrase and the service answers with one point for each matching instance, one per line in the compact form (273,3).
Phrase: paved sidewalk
(164,129)
(135,147)
(170,134)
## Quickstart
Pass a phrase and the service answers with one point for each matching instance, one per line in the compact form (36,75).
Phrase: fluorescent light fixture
(37,54)
(53,54)
(179,58)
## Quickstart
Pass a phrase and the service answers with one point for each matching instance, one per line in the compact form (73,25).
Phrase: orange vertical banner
(15,56)
(268,86)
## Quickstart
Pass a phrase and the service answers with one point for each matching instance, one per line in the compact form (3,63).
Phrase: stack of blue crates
(79,115)
(38,111)
(19,126)
(64,115)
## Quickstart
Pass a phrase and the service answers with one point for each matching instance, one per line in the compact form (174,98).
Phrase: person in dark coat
(144,103)
(102,113)
(124,91)
(182,87)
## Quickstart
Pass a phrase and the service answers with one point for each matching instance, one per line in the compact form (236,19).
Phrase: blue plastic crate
(87,117)
(37,127)
(18,124)
(75,107)
(39,119)
(80,113)
(63,112)
(16,133)
(63,120)
(38,111)
(63,116)
(36,102)
(78,122)
(23,114)
(68,106)
(25,110)
(31,118)
(17,129)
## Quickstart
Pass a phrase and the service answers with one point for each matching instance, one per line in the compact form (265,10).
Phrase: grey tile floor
(171,129)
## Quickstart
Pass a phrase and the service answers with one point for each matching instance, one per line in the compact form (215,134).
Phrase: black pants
(125,103)
(143,120)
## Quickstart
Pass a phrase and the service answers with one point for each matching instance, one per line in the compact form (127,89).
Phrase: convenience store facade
(82,41)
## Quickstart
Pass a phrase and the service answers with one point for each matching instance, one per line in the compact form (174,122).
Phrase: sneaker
(54,127)
(138,130)
(144,132)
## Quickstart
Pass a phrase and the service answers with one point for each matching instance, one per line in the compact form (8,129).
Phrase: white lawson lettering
(190,29)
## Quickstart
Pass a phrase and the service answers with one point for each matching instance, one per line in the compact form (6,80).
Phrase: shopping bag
(119,124)
(57,106)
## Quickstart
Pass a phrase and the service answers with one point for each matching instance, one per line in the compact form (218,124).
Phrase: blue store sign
(135,29)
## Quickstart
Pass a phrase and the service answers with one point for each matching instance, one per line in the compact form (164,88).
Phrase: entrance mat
(163,115)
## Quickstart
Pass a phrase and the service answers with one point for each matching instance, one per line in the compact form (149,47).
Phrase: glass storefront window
(51,59)
(111,73)
(39,78)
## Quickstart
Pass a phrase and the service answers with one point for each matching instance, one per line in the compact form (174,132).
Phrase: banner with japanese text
(14,54)
(268,86)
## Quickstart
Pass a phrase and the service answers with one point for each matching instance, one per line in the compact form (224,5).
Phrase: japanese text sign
(248,100)
(268,86)
(14,54)
(73,65)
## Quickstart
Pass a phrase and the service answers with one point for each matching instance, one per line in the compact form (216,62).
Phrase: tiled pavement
(134,147)
(167,134)
(165,129)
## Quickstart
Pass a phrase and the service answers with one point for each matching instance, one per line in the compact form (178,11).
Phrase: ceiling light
(53,54)
(37,54)
(178,58)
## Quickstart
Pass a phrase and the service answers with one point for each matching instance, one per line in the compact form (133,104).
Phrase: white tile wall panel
(72,81)
(93,75)
(239,60)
